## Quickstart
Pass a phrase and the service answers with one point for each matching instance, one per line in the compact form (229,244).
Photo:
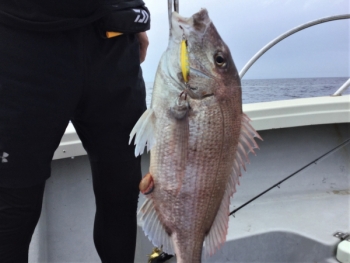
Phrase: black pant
(47,79)
(19,213)
(115,221)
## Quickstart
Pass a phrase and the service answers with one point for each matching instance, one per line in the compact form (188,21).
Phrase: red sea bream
(199,138)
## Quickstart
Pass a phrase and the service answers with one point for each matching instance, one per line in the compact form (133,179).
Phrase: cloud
(311,4)
(248,25)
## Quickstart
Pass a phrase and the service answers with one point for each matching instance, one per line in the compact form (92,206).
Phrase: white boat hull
(293,223)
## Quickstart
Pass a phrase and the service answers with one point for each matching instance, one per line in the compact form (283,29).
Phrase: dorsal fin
(218,231)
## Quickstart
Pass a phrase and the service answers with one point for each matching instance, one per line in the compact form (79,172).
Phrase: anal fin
(153,227)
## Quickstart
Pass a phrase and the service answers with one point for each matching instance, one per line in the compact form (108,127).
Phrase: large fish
(199,137)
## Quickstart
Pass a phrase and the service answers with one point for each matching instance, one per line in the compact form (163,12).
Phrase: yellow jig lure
(185,66)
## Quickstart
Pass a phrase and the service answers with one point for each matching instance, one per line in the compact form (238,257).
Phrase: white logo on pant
(4,155)
(142,16)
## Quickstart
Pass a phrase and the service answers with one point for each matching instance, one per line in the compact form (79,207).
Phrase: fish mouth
(194,93)
(208,96)
(198,91)
(200,73)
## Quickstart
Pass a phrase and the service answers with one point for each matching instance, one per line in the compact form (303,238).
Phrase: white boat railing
(289,33)
(344,87)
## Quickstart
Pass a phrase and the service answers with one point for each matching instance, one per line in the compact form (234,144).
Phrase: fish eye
(220,60)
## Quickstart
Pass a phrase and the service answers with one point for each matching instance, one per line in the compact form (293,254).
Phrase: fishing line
(280,182)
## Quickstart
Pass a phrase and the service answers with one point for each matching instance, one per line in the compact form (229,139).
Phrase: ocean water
(261,90)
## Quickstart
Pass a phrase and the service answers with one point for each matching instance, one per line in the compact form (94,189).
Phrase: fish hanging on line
(199,138)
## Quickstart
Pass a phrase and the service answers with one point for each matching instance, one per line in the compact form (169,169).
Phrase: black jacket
(57,15)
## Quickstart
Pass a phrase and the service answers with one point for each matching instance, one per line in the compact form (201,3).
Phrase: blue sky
(248,25)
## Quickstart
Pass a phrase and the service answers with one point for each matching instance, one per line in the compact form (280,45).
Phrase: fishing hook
(180,96)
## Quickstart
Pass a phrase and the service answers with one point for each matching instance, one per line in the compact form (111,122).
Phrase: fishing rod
(172,4)
(289,176)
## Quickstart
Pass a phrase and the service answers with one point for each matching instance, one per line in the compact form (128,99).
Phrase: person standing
(58,63)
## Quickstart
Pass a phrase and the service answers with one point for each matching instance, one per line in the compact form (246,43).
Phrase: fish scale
(199,163)
(194,130)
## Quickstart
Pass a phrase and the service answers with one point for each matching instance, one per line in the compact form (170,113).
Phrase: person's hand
(143,40)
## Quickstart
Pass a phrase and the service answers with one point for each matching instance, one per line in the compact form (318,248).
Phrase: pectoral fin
(144,131)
